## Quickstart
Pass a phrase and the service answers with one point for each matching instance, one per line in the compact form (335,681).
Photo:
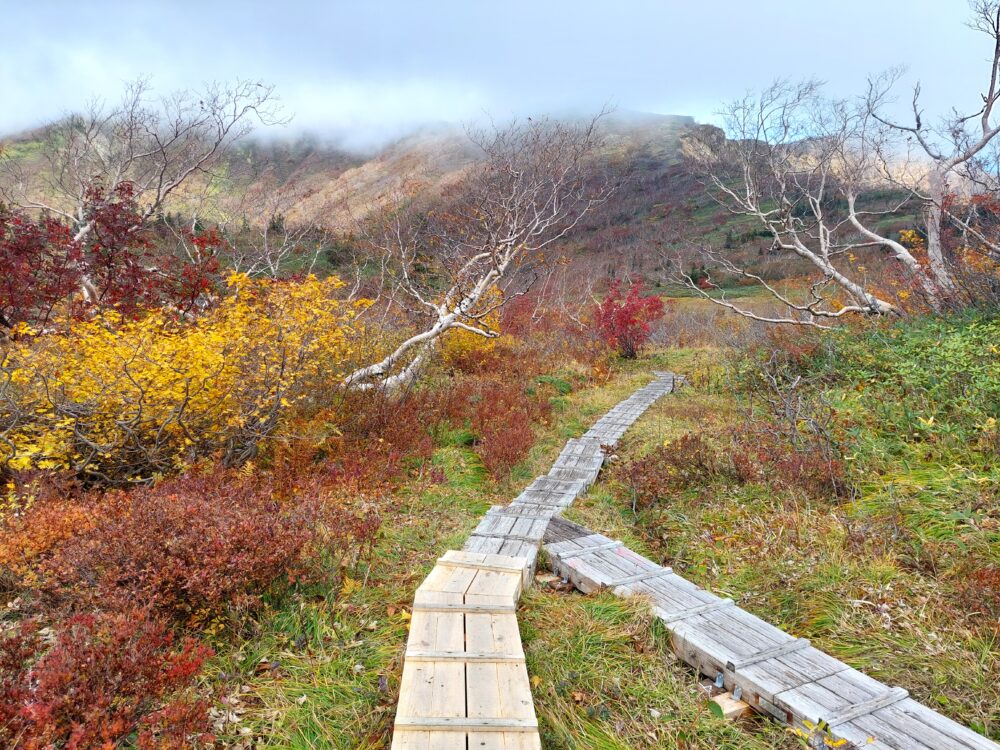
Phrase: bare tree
(533,186)
(821,176)
(157,145)
(263,238)
(959,150)
(795,164)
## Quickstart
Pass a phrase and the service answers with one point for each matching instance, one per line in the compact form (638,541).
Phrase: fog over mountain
(367,73)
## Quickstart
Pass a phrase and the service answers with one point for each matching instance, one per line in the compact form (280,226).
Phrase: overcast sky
(371,69)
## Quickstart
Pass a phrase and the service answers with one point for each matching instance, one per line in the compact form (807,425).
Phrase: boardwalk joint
(669,618)
(782,649)
(892,695)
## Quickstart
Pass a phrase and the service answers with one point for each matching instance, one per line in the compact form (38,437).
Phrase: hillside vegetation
(250,390)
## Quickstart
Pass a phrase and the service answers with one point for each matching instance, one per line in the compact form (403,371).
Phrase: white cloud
(369,69)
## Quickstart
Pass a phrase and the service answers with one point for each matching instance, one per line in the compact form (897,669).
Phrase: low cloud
(365,73)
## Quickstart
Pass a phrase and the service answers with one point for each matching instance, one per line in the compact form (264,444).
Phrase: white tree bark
(534,185)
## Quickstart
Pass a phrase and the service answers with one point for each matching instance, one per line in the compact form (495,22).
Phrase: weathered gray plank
(773,671)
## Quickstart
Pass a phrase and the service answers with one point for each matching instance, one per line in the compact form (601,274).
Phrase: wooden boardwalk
(517,529)
(464,681)
(766,667)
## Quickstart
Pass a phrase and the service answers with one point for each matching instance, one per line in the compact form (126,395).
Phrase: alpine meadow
(500,376)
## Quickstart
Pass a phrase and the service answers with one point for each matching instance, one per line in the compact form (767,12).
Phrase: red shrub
(501,418)
(623,320)
(376,421)
(18,649)
(92,687)
(201,543)
(44,264)
(502,444)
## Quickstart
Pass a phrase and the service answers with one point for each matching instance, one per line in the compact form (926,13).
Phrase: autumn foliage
(120,400)
(103,677)
(50,270)
(198,545)
(502,419)
(178,455)
(624,319)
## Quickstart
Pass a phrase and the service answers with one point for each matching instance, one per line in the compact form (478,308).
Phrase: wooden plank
(483,544)
(548,484)
(466,656)
(519,511)
(772,677)
(478,561)
(586,476)
(462,607)
(511,536)
(569,554)
(464,682)
(490,525)
(492,588)
(916,714)
(796,644)
(923,728)
(580,543)
(845,715)
(466,724)
(732,709)
(641,577)
(778,673)
(561,530)
(669,618)
(588,462)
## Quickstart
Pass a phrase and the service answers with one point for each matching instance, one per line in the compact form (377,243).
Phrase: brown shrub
(690,461)
(979,592)
(201,543)
(746,457)
(502,445)
(758,454)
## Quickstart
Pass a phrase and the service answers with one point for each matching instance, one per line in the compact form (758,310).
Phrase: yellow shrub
(458,344)
(122,400)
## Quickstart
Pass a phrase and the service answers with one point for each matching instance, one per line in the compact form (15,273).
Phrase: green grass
(879,580)
(321,668)
(603,680)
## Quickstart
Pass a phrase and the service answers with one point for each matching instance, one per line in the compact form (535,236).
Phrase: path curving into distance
(464,681)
